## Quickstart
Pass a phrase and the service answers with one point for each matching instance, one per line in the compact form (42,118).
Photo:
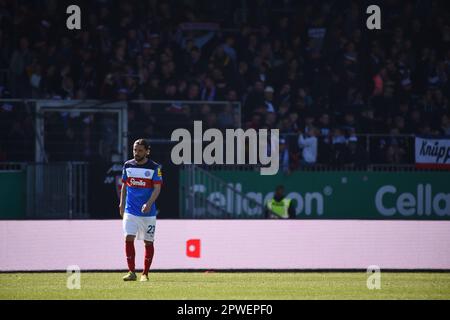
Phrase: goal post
(119,109)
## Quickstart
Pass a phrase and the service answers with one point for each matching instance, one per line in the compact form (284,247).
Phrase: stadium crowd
(309,68)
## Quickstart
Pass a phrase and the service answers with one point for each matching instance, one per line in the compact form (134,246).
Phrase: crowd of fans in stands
(309,68)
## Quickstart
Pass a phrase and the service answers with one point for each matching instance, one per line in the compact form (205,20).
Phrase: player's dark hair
(143,142)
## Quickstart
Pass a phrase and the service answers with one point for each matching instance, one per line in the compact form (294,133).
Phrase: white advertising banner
(229,244)
(432,152)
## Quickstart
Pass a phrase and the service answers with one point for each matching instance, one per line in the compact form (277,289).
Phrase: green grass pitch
(228,285)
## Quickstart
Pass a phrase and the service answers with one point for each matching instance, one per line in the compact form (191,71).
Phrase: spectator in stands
(225,119)
(356,156)
(339,147)
(445,125)
(268,99)
(20,60)
(284,157)
(308,143)
(208,93)
(324,138)
(311,60)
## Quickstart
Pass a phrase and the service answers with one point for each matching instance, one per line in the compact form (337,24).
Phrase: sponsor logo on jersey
(137,182)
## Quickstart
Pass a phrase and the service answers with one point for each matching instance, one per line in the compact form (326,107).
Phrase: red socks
(149,251)
(130,254)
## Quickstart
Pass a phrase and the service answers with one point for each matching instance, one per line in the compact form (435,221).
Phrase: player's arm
(123,197)
(123,193)
(157,182)
(155,194)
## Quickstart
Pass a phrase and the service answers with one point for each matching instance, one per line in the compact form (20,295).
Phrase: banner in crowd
(433,152)
(332,195)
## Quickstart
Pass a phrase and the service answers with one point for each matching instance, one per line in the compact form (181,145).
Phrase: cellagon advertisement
(333,195)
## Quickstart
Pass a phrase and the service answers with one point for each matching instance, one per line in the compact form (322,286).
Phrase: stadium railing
(57,190)
(195,204)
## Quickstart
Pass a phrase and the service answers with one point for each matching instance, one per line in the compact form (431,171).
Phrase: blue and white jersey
(139,181)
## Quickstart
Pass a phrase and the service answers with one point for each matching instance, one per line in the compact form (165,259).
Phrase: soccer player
(141,185)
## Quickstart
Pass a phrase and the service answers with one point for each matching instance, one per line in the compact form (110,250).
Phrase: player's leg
(130,252)
(148,258)
(149,248)
(130,229)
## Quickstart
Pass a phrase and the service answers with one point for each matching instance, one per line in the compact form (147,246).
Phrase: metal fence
(51,130)
(57,190)
(194,204)
(327,168)
(62,130)
(367,149)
